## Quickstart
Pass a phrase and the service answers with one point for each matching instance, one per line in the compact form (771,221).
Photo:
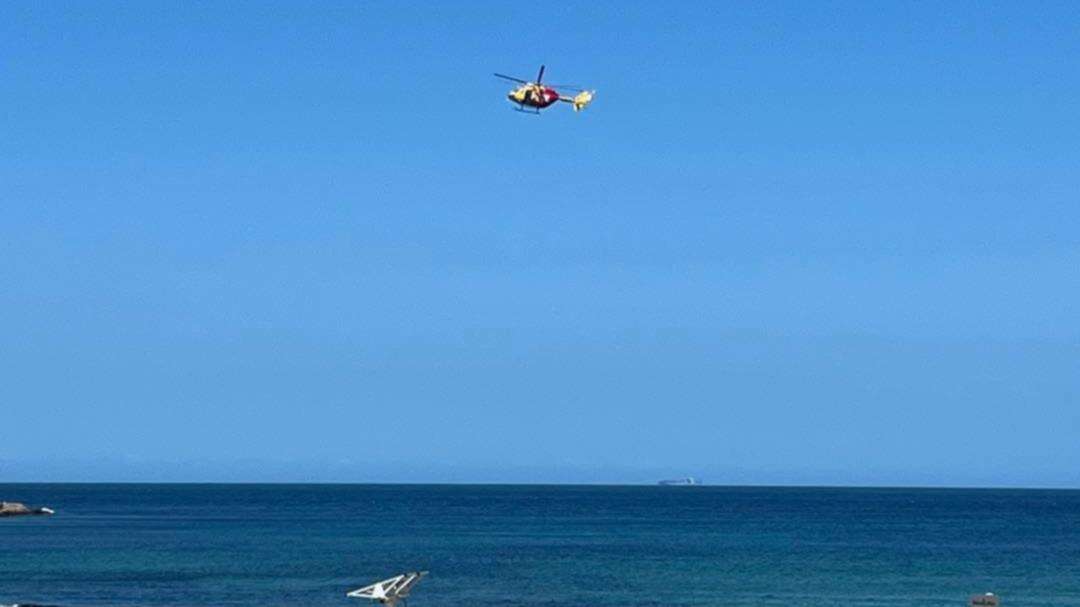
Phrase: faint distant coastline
(680,482)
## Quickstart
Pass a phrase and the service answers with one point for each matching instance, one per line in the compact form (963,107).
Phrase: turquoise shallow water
(199,545)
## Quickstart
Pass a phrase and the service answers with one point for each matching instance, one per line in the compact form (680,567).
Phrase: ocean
(203,545)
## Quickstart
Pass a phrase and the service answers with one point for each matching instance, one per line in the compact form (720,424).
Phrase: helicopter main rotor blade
(540,76)
(569,87)
(505,77)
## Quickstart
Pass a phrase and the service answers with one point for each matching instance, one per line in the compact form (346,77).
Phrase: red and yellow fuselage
(534,96)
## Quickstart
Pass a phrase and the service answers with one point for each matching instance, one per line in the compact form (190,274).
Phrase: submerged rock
(16,509)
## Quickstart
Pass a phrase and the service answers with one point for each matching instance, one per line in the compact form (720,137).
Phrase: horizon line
(563,484)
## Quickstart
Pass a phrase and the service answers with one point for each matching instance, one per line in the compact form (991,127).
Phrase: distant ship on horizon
(680,482)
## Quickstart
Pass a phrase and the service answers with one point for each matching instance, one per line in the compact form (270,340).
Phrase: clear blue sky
(789,243)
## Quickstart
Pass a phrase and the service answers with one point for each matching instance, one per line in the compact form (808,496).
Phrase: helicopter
(540,96)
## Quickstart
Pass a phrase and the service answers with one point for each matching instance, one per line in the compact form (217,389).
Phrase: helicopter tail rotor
(581,100)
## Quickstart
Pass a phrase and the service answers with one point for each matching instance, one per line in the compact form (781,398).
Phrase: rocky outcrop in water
(17,509)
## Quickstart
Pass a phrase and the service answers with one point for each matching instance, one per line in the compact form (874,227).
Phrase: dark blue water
(195,545)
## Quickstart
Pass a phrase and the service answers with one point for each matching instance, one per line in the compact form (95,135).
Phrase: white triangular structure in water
(389,591)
